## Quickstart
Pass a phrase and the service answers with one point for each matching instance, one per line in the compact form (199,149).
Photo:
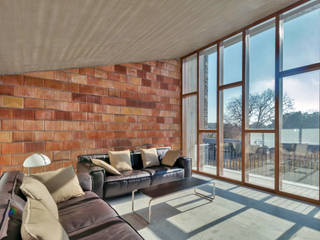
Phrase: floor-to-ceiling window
(251,104)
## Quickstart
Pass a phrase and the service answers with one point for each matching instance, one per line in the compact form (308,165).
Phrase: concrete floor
(236,213)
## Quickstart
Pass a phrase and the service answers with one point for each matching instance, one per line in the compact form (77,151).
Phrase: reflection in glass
(299,142)
(232,119)
(189,76)
(301,36)
(208,88)
(260,159)
(189,128)
(207,153)
(261,100)
(232,60)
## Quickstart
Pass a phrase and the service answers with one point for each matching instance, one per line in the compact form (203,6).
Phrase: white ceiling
(55,34)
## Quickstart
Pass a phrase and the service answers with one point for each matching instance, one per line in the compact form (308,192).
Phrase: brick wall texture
(89,110)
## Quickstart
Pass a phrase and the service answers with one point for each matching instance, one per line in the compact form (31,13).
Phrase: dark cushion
(163,174)
(84,214)
(114,228)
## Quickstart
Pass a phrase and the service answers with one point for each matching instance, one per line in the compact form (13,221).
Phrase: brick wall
(88,110)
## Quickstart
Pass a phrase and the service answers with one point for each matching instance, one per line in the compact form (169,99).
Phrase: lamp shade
(36,160)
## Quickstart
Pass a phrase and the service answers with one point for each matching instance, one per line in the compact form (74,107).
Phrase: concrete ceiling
(40,35)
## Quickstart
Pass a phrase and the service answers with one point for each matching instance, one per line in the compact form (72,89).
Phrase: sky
(301,46)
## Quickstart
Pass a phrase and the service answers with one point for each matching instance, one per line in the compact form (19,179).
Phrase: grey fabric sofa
(106,185)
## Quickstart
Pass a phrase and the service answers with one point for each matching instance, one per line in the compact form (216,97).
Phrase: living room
(156,119)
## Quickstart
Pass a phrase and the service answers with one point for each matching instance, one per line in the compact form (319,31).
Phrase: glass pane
(261,100)
(299,148)
(232,60)
(232,113)
(208,89)
(189,74)
(301,36)
(260,159)
(189,128)
(207,153)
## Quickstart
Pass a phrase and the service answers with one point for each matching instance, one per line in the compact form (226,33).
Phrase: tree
(261,109)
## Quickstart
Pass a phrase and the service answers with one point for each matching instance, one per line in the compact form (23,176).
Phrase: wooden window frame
(279,74)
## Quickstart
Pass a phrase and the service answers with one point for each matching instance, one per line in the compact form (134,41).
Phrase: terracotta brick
(61,155)
(77,97)
(109,68)
(59,115)
(93,99)
(6,113)
(23,114)
(34,147)
(80,79)
(5,137)
(98,73)
(11,102)
(12,125)
(5,159)
(120,69)
(12,79)
(24,136)
(43,136)
(45,75)
(33,103)
(33,82)
(44,114)
(78,116)
(86,71)
(53,125)
(33,125)
(6,90)
(113,101)
(12,148)
(58,85)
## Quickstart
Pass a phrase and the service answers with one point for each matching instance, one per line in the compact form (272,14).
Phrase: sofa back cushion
(120,160)
(34,189)
(63,183)
(39,223)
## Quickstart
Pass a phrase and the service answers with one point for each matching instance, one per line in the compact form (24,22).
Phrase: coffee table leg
(132,199)
(213,194)
(150,211)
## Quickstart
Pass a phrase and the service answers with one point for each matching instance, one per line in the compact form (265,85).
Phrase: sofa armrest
(97,175)
(85,181)
(186,163)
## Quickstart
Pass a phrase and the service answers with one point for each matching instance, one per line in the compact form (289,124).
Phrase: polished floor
(236,213)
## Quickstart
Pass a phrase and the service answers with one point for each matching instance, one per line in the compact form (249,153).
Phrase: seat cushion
(163,174)
(112,228)
(83,214)
(88,196)
(128,181)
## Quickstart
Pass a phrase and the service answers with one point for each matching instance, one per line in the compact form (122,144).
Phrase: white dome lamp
(36,160)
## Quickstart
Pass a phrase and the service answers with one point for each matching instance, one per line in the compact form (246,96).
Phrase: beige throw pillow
(106,166)
(120,160)
(34,189)
(39,223)
(63,183)
(170,157)
(149,157)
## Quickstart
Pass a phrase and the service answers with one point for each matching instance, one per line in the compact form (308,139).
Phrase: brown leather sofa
(106,185)
(86,217)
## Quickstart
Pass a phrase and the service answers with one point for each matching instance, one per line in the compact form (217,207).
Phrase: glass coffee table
(161,190)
